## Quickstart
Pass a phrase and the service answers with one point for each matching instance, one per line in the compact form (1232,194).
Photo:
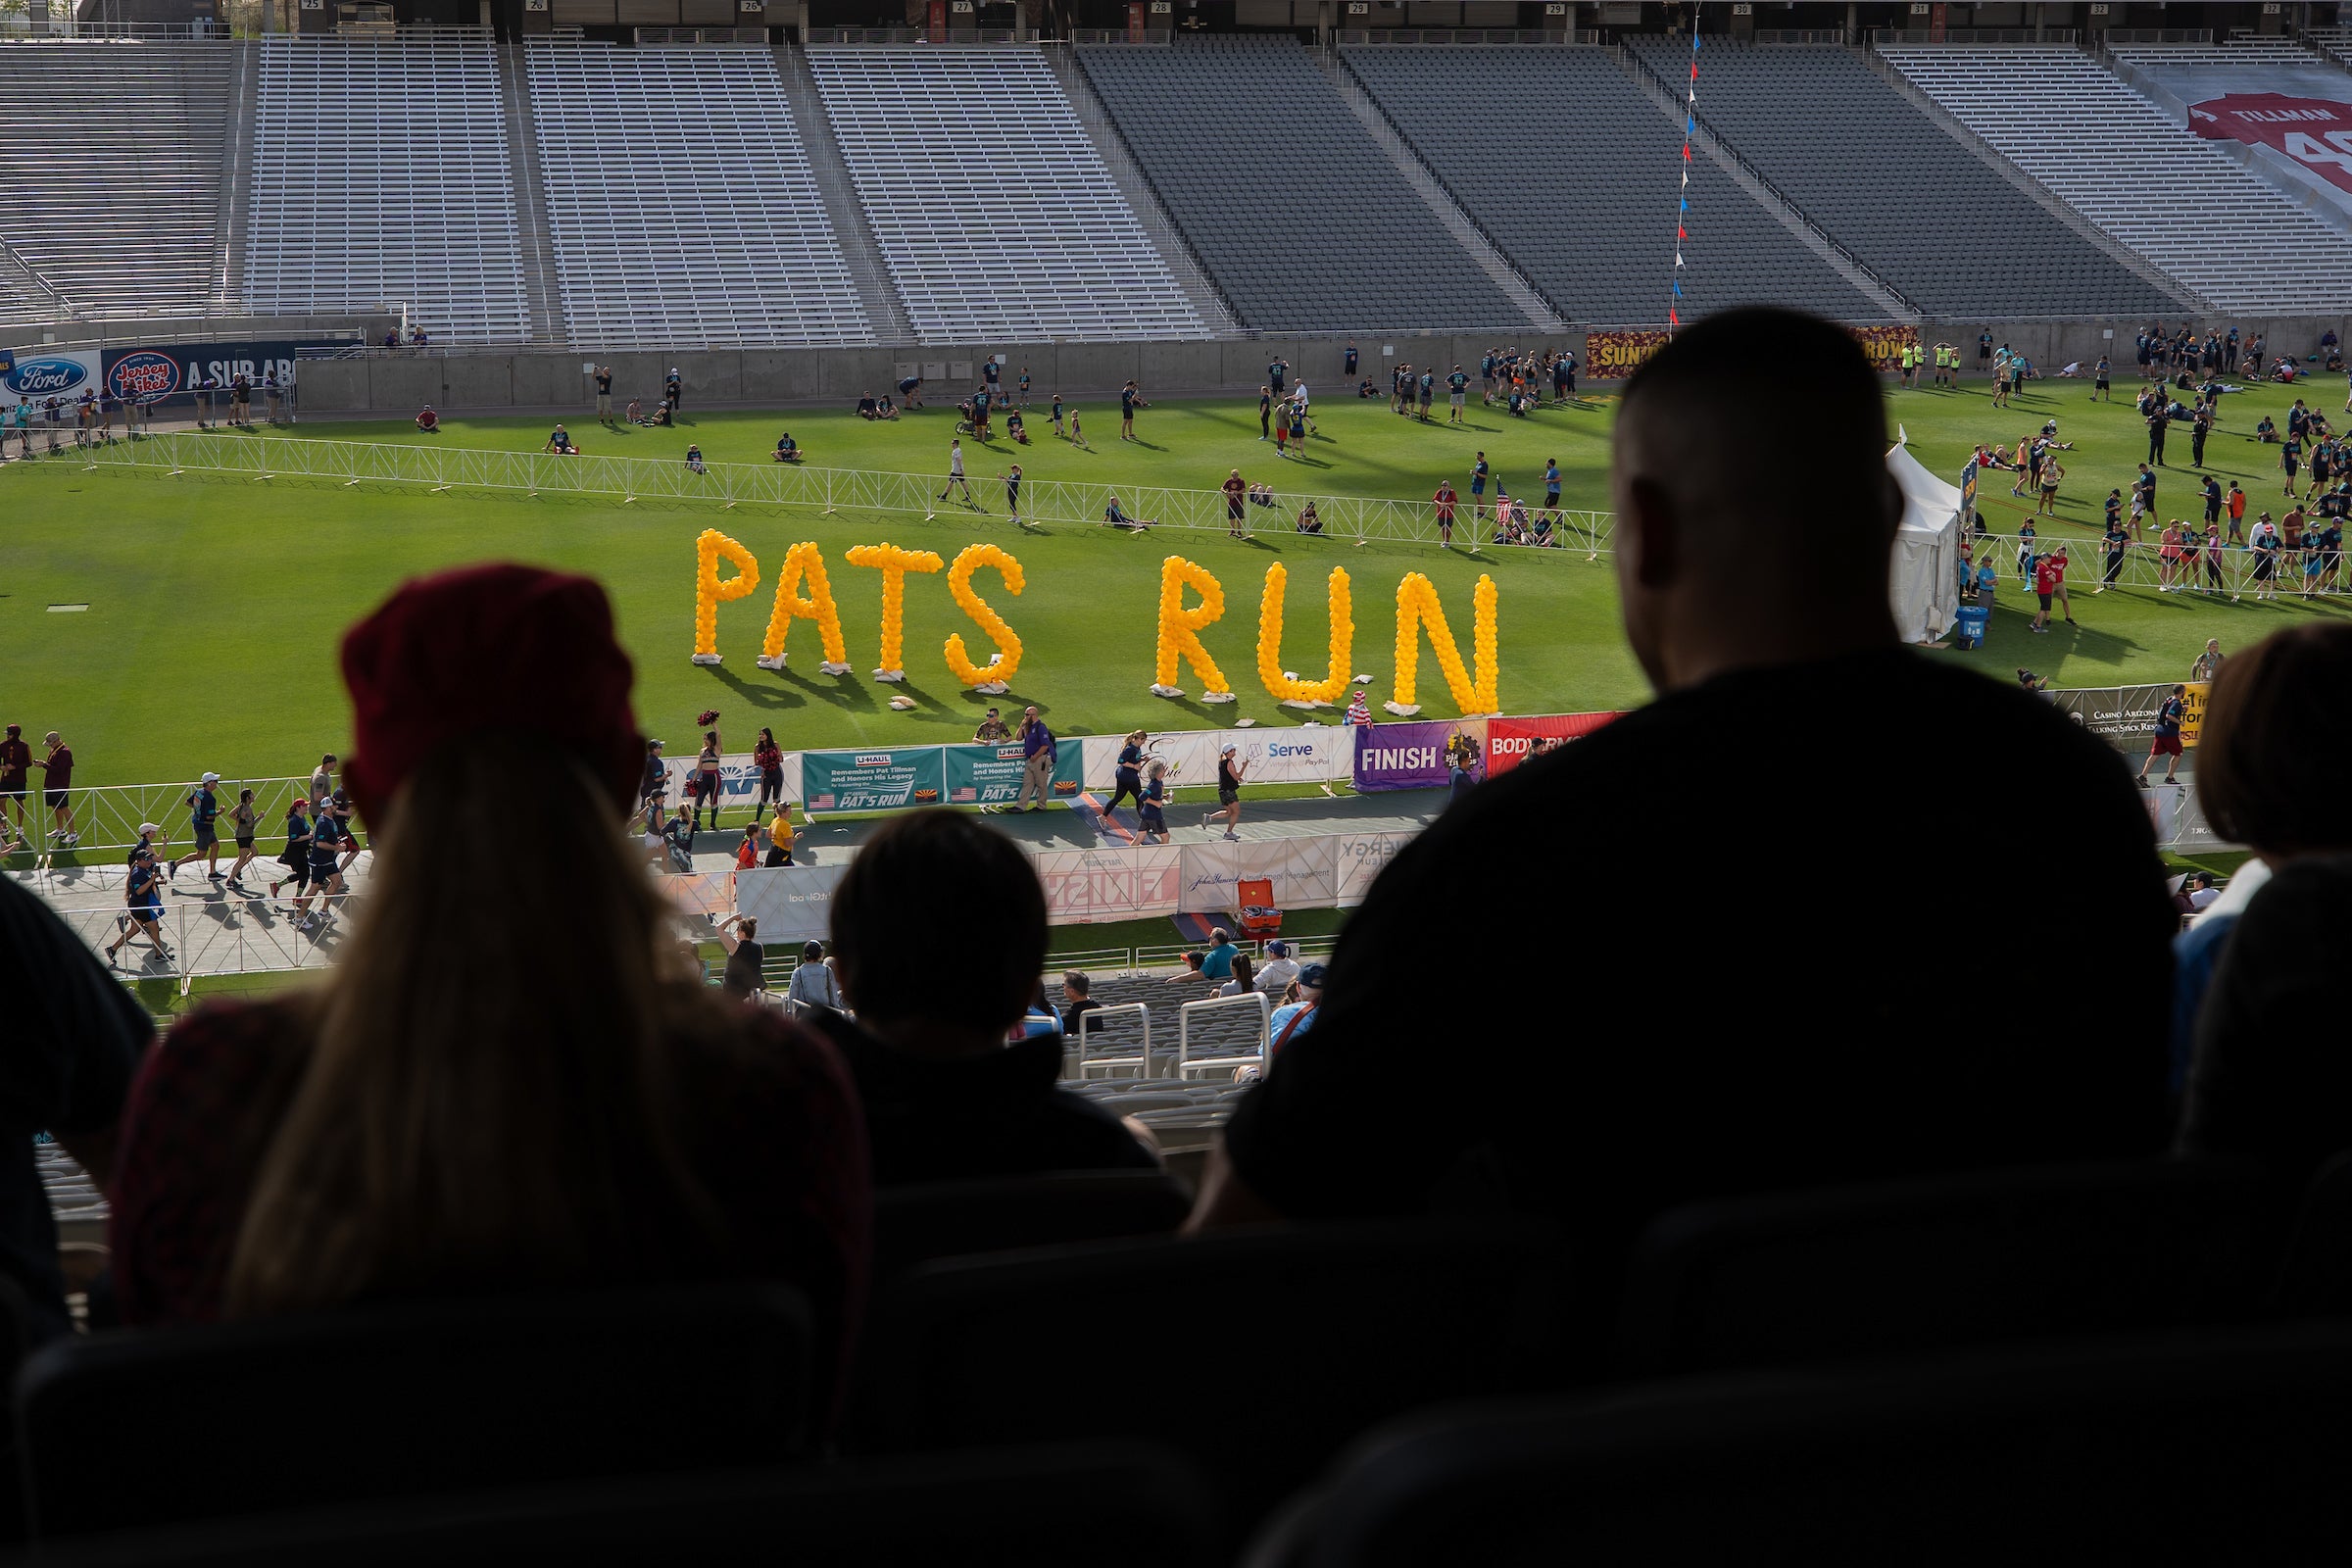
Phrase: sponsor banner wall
(1511,741)
(1411,757)
(1309,754)
(1886,344)
(2125,716)
(991,775)
(1358,859)
(1304,872)
(791,903)
(172,371)
(879,779)
(738,778)
(40,374)
(1613,356)
(1115,883)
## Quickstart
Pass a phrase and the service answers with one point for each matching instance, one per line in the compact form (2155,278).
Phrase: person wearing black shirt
(76,1039)
(747,960)
(946,1095)
(673,390)
(1705,1045)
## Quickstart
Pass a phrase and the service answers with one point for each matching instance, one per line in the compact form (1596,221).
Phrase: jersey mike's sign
(2316,132)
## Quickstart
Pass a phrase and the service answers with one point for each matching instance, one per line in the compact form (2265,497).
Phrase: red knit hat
(496,646)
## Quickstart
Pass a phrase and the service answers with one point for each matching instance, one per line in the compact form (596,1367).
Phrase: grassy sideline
(215,605)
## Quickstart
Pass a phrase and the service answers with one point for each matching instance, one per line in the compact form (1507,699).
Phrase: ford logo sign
(38,377)
(144,375)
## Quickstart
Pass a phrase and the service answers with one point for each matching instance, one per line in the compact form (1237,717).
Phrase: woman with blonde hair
(1128,777)
(489,1095)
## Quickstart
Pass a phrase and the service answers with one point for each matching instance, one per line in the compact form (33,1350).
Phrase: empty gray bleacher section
(110,171)
(2176,78)
(997,218)
(681,204)
(885,311)
(380,180)
(1170,1105)
(1184,265)
(1916,207)
(2117,159)
(1579,188)
(1303,221)
(533,235)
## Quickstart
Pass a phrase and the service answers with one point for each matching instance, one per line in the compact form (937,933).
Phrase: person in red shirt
(463,1107)
(2049,582)
(1235,491)
(15,758)
(1444,500)
(57,768)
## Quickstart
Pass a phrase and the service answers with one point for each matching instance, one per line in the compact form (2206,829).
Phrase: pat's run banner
(1612,356)
(991,775)
(1512,741)
(875,780)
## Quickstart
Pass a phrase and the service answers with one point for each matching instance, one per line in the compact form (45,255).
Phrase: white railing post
(1086,1021)
(1183,1021)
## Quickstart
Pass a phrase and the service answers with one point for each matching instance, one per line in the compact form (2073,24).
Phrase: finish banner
(1886,344)
(1512,741)
(1612,356)
(1412,757)
(872,781)
(991,775)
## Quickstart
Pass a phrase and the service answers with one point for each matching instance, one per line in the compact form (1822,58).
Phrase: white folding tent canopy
(1924,581)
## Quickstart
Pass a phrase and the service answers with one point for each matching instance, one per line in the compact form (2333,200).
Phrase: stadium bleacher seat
(1595,233)
(380,180)
(1290,204)
(1892,186)
(111,158)
(159,1426)
(996,215)
(1908,1268)
(1286,1341)
(955,1219)
(1041,1507)
(681,204)
(2115,158)
(2231,1448)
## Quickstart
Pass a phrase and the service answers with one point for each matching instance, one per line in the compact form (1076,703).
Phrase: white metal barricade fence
(2195,570)
(1113,1060)
(1187,1063)
(726,485)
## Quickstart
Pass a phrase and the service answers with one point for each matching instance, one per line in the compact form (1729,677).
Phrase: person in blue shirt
(694,458)
(559,440)
(2169,716)
(787,449)
(1127,775)
(1217,963)
(1057,416)
(1150,816)
(1478,485)
(980,404)
(1552,484)
(1457,387)
(1040,754)
(1131,398)
(204,817)
(1278,370)
(143,906)
(1348,366)
(1294,1019)
(1022,386)
(1429,387)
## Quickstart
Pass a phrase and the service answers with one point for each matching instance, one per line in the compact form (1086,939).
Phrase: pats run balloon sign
(1191,600)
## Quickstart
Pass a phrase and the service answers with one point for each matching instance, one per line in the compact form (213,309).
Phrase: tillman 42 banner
(2316,132)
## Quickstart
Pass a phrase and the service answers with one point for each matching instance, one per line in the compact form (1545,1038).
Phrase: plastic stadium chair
(1900,1267)
(1294,1340)
(2231,1448)
(1128,1505)
(2315,1278)
(156,1427)
(948,1219)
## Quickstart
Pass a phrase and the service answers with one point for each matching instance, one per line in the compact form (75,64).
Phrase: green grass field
(215,605)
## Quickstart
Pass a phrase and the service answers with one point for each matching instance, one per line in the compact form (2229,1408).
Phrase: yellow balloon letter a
(804,560)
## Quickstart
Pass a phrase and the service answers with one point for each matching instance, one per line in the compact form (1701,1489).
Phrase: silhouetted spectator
(1753,608)
(946,1095)
(75,1036)
(2268,1075)
(465,1103)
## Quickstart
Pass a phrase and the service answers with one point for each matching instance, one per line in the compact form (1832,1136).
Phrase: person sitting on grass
(1015,430)
(954,1083)
(694,458)
(787,449)
(636,413)
(1116,516)
(560,441)
(1309,519)
(428,421)
(867,407)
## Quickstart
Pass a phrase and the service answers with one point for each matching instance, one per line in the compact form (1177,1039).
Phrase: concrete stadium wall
(192,329)
(385,384)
